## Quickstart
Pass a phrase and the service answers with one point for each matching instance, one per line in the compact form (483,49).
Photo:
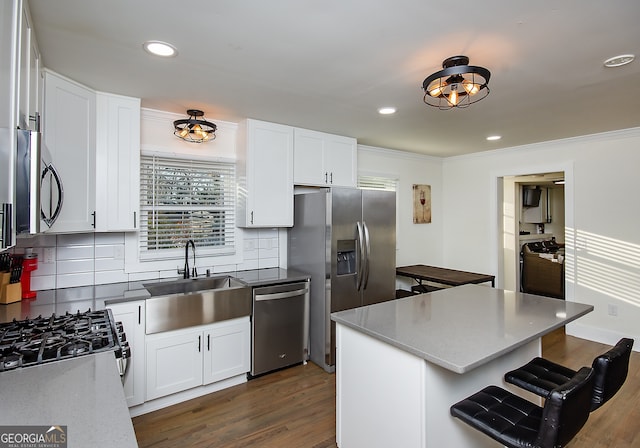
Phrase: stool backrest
(611,370)
(566,410)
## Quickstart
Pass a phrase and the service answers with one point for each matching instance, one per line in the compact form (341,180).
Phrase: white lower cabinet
(131,314)
(182,359)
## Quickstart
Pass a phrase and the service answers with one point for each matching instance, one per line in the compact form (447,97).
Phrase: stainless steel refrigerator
(345,238)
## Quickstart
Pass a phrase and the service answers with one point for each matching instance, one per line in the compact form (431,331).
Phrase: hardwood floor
(296,408)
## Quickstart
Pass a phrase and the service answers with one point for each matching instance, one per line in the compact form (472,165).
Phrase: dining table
(443,276)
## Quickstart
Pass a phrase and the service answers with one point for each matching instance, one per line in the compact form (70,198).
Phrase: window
(182,199)
(377,183)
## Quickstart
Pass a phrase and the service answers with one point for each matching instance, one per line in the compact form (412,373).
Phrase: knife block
(9,292)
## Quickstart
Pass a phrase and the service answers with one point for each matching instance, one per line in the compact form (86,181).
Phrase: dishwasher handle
(280,295)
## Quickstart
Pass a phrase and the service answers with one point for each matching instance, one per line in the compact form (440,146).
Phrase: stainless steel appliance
(28,182)
(37,185)
(29,342)
(279,326)
(346,239)
(7,188)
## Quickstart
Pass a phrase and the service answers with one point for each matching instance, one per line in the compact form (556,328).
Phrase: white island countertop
(464,327)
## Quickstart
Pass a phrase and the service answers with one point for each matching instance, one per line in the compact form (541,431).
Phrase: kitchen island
(401,364)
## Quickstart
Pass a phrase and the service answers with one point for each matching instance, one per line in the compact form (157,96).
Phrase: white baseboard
(189,394)
(603,336)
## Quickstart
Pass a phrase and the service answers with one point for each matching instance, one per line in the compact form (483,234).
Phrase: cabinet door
(308,158)
(323,159)
(268,158)
(117,162)
(174,362)
(69,123)
(227,351)
(131,314)
(340,160)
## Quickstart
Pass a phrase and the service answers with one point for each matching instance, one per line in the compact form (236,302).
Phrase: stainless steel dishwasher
(279,326)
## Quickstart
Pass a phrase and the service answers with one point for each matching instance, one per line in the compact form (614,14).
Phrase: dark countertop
(83,298)
(84,394)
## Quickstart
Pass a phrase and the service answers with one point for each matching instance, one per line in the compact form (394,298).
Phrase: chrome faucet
(194,272)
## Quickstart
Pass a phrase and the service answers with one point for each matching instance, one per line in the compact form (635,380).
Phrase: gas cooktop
(40,340)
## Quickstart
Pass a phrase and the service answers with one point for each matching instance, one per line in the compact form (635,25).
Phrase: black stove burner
(44,339)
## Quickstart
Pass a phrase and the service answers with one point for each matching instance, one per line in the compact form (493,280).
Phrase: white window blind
(183,199)
(377,183)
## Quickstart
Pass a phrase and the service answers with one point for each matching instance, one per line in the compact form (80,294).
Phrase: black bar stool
(519,423)
(540,375)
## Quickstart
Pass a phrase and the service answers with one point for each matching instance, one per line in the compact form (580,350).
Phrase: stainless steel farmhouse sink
(186,303)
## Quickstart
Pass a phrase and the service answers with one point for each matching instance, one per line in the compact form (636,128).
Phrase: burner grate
(44,339)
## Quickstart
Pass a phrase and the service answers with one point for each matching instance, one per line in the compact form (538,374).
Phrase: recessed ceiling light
(494,137)
(160,48)
(387,110)
(620,60)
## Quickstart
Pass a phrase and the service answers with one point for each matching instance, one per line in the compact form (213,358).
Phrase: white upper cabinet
(69,133)
(117,163)
(265,174)
(322,159)
(94,142)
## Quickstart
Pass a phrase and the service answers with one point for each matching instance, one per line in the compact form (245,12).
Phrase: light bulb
(183,132)
(453,97)
(471,87)
(436,88)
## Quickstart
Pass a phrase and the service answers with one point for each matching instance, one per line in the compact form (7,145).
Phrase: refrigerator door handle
(367,253)
(361,256)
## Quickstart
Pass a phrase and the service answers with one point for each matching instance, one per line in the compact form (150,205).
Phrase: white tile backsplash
(71,280)
(75,266)
(73,260)
(75,252)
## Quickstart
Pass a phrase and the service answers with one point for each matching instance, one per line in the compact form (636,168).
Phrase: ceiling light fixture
(458,84)
(158,48)
(194,129)
(494,137)
(620,60)
(387,110)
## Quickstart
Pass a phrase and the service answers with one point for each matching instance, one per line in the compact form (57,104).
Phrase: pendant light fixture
(458,84)
(195,129)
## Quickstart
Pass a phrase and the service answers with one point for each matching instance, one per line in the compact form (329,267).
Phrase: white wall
(602,215)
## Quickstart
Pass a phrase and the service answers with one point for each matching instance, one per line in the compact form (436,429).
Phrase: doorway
(534,210)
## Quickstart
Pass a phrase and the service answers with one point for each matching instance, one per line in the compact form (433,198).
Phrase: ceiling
(330,65)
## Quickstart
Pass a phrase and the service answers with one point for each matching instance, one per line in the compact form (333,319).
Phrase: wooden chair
(519,423)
